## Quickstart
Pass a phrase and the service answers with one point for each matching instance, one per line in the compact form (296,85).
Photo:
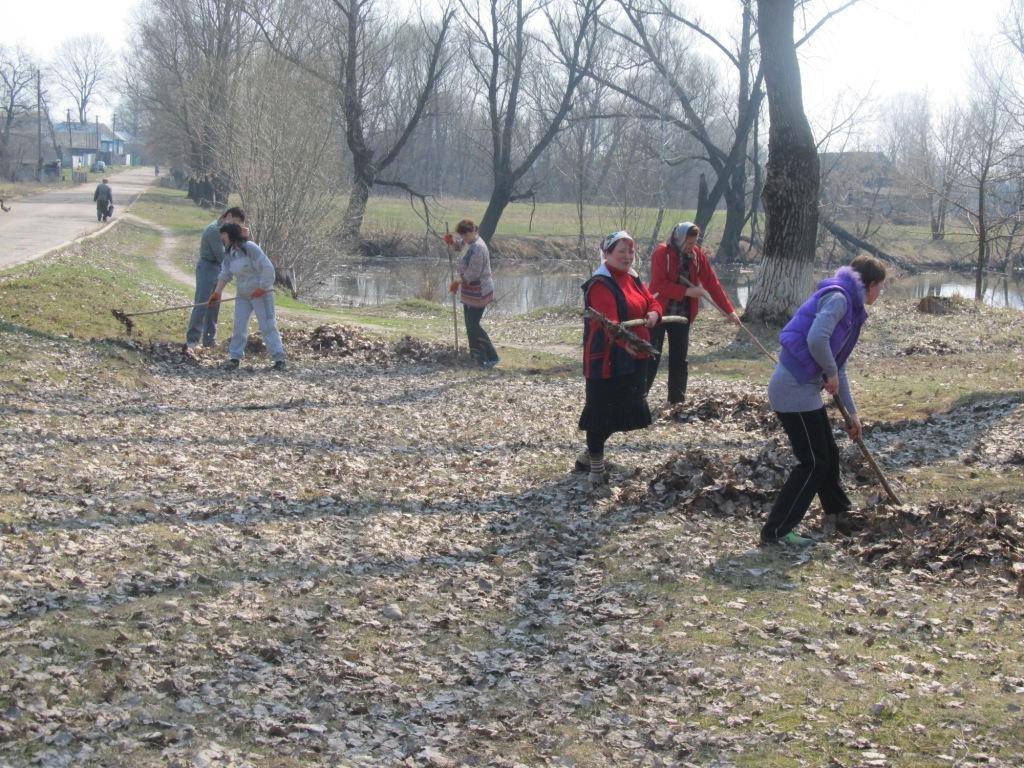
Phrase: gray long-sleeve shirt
(251,266)
(210,246)
(786,393)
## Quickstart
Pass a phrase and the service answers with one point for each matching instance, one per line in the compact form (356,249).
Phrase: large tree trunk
(705,206)
(501,196)
(735,218)
(352,221)
(792,175)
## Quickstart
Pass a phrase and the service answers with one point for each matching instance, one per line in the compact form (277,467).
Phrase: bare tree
(791,177)
(17,95)
(984,164)
(372,63)
(503,53)
(83,66)
(659,37)
(924,151)
(579,145)
(192,57)
(130,113)
(283,161)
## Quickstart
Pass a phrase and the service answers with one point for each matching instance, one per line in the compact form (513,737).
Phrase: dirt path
(168,245)
(42,223)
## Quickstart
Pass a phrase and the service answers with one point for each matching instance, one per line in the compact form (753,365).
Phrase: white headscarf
(609,242)
(679,232)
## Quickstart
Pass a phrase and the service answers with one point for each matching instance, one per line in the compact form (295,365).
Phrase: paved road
(41,223)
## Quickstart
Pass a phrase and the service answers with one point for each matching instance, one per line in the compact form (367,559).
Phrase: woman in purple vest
(815,346)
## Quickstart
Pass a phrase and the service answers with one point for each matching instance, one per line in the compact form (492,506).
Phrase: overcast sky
(877,46)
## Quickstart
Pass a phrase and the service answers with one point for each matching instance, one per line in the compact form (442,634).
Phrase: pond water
(525,286)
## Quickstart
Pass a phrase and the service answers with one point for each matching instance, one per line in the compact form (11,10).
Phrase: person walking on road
(202,325)
(247,262)
(104,198)
(673,264)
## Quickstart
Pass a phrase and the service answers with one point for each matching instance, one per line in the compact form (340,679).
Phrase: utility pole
(71,157)
(39,125)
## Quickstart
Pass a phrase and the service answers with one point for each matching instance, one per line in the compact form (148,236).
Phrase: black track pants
(817,472)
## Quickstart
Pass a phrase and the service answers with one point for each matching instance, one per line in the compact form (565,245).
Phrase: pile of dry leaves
(942,536)
(339,340)
(928,347)
(331,340)
(410,350)
(723,485)
(722,402)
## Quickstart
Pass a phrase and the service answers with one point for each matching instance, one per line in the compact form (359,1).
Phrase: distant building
(855,183)
(82,144)
(134,147)
(23,151)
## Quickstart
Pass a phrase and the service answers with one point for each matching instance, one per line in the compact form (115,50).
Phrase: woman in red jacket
(681,257)
(616,378)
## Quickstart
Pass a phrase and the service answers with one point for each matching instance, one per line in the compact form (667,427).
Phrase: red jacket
(665,283)
(601,360)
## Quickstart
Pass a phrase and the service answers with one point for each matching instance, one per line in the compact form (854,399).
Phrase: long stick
(667,319)
(867,454)
(707,297)
(451,278)
(118,313)
(835,399)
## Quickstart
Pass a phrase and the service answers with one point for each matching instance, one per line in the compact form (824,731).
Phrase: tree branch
(821,22)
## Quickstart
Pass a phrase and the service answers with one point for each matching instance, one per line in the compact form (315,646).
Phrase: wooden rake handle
(666,319)
(171,309)
(866,453)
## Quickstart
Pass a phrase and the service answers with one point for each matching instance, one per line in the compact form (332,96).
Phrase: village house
(24,157)
(83,144)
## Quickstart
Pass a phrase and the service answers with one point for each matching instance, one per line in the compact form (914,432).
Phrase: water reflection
(523,287)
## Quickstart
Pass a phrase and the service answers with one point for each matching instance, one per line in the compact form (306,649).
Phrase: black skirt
(618,404)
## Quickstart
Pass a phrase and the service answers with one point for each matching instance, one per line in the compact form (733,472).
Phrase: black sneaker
(279,365)
(231,365)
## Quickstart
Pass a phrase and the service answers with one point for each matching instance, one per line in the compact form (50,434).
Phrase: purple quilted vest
(796,356)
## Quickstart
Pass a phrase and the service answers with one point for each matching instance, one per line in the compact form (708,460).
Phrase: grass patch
(173,210)
(960,483)
(73,291)
(918,387)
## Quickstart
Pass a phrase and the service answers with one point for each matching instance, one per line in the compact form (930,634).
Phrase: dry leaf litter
(361,564)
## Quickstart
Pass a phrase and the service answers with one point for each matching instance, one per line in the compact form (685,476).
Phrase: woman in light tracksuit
(248,264)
